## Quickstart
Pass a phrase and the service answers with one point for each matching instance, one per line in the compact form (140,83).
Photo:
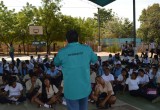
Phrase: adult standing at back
(11,52)
(75,60)
(152,47)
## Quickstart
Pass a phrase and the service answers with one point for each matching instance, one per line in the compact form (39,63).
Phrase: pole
(99,33)
(35,39)
(134,22)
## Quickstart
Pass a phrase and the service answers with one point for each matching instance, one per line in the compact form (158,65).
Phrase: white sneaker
(64,102)
(17,103)
(46,105)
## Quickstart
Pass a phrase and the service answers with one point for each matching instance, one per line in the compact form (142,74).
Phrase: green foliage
(118,28)
(8,23)
(105,15)
(150,23)
(113,26)
(14,27)
(112,48)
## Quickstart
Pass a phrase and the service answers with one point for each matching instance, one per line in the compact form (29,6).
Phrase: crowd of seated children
(140,77)
(127,49)
(29,79)
(42,80)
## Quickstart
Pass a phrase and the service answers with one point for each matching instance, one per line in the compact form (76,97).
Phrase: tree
(48,17)
(105,15)
(117,27)
(150,23)
(113,26)
(25,17)
(8,25)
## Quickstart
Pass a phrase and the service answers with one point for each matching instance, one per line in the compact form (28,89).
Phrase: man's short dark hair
(72,36)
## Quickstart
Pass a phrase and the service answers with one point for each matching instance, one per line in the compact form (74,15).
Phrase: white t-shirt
(120,78)
(30,66)
(26,78)
(108,87)
(52,89)
(6,67)
(133,61)
(15,70)
(146,61)
(110,77)
(132,84)
(93,76)
(38,83)
(14,91)
(32,60)
(126,58)
(131,71)
(151,75)
(144,79)
(39,60)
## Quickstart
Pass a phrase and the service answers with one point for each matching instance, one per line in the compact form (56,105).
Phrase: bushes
(112,48)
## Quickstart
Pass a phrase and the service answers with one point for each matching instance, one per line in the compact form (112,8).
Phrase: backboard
(35,30)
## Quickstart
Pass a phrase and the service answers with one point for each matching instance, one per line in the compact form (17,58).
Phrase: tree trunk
(24,50)
(54,46)
(48,48)
(28,49)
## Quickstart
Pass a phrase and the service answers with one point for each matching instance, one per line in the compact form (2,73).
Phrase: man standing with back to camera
(75,60)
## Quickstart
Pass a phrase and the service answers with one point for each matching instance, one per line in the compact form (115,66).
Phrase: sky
(85,8)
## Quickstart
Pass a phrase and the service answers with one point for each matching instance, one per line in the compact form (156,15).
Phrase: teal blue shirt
(75,60)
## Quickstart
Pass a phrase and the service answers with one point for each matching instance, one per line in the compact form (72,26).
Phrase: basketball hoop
(35,30)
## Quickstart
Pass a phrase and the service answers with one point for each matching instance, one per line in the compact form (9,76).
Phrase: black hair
(44,93)
(27,61)
(105,66)
(11,80)
(98,77)
(141,70)
(72,36)
(134,73)
(156,68)
(124,69)
(32,74)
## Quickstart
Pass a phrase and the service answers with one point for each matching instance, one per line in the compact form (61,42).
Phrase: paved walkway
(28,106)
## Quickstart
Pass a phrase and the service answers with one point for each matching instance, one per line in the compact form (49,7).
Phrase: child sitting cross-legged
(48,95)
(103,93)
